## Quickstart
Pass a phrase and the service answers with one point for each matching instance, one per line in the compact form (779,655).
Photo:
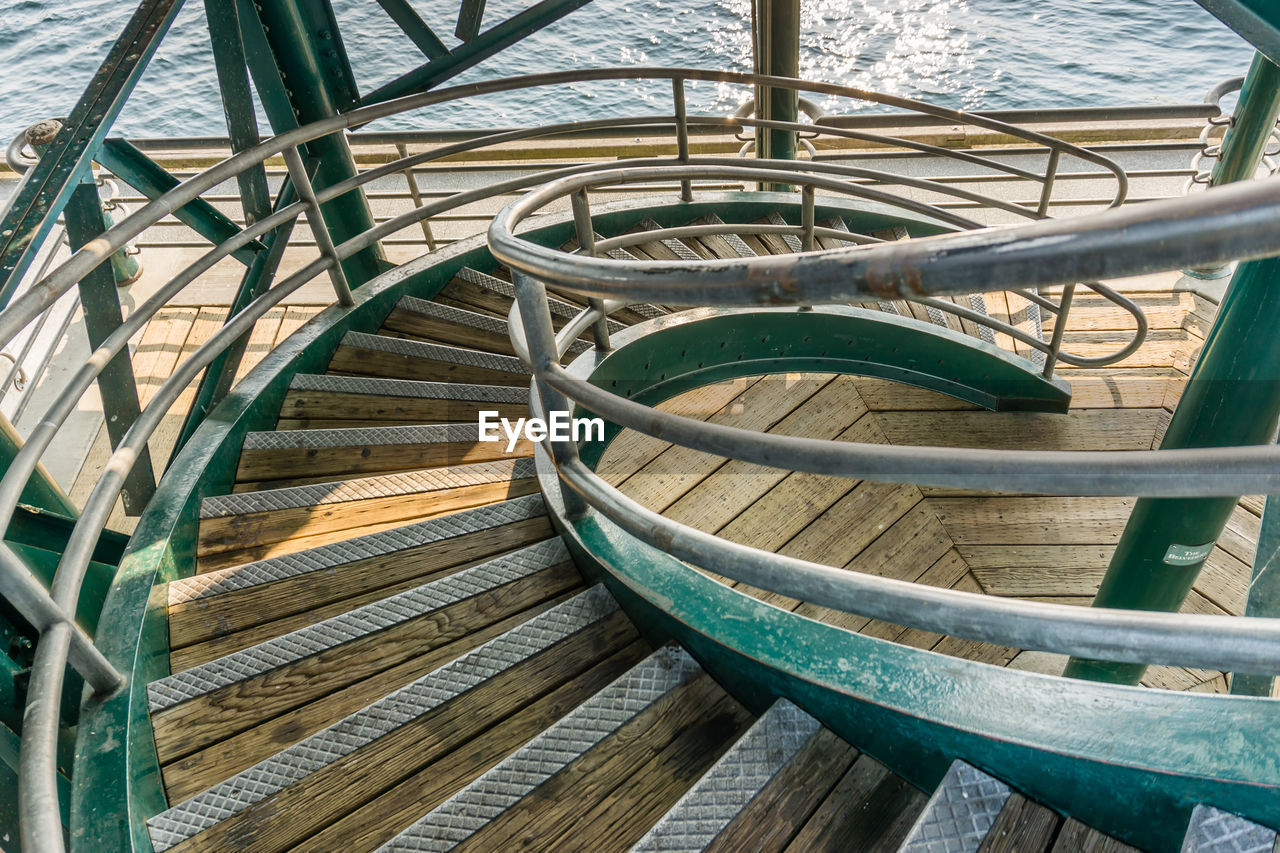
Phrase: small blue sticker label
(1186,555)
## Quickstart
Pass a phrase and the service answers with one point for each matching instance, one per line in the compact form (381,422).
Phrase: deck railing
(1216,227)
(1238,220)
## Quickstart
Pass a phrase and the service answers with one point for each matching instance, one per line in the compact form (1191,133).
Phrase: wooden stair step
(216,604)
(445,324)
(726,246)
(732,782)
(196,707)
(320,400)
(478,291)
(247,526)
(362,354)
(474,807)
(960,812)
(869,808)
(191,774)
(309,455)
(298,791)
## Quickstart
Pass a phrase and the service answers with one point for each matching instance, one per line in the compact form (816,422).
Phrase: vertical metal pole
(1264,593)
(1247,134)
(416,194)
(806,217)
(315,219)
(581,205)
(1232,398)
(682,134)
(541,338)
(1059,327)
(1050,176)
(776,26)
(1251,125)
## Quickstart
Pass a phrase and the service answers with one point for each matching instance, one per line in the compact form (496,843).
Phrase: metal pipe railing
(60,640)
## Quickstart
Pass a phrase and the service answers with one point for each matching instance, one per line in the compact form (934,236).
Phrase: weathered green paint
(100,303)
(1256,21)
(1231,398)
(496,38)
(312,69)
(1264,591)
(229,62)
(42,195)
(671,355)
(1129,761)
(776,39)
(124,160)
(412,25)
(43,562)
(49,530)
(41,489)
(1251,125)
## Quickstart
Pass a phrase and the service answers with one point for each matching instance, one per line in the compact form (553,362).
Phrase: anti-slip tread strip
(469,810)
(379,616)
(368,385)
(732,782)
(340,553)
(368,488)
(273,775)
(434,352)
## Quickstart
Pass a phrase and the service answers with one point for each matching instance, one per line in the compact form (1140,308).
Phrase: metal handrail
(60,639)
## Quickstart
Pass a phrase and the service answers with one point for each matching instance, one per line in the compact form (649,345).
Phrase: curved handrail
(1241,221)
(40,823)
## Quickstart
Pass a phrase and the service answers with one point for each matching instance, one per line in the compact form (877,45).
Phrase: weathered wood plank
(212,616)
(296,812)
(776,814)
(222,760)
(1042,520)
(1023,826)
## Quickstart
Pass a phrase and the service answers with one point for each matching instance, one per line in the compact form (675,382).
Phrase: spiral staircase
(863,458)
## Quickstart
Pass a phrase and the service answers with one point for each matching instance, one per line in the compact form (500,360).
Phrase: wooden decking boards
(376,629)
(1048,548)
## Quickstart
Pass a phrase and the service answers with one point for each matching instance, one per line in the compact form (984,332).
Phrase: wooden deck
(1035,547)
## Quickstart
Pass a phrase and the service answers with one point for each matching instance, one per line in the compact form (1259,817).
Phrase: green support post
(316,79)
(41,491)
(1251,125)
(102,316)
(776,33)
(1264,592)
(1232,398)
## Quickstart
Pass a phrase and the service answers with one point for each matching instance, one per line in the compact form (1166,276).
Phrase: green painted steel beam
(100,302)
(776,38)
(1231,398)
(229,62)
(1256,21)
(470,15)
(1251,125)
(41,491)
(1264,592)
(300,41)
(124,160)
(47,188)
(412,25)
(47,529)
(485,45)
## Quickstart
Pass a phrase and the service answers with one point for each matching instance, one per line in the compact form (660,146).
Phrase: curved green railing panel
(659,359)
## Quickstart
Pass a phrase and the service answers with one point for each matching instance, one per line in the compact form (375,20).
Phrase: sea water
(960,53)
